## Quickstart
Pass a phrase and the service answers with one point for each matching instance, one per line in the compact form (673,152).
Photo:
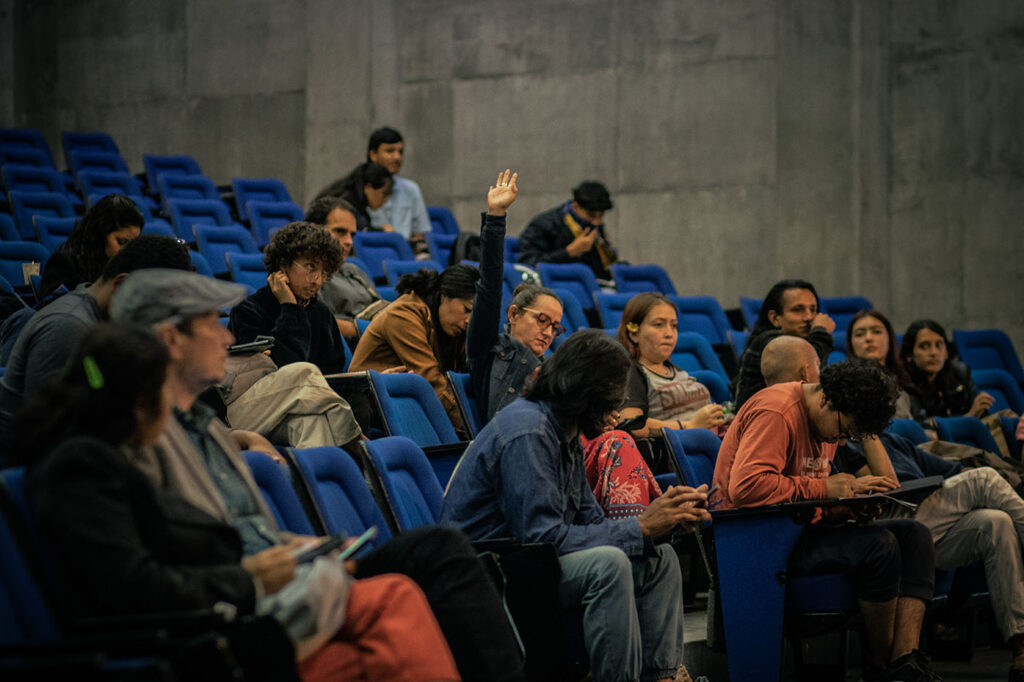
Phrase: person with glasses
(286,397)
(780,448)
(500,362)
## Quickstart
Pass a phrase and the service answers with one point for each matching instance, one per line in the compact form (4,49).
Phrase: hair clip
(632,327)
(93,375)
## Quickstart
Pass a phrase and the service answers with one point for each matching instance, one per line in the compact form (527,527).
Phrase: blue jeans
(632,611)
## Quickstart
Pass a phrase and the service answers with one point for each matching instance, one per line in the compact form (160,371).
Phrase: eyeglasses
(843,433)
(311,269)
(543,321)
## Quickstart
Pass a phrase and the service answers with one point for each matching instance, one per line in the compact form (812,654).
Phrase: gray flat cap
(159,295)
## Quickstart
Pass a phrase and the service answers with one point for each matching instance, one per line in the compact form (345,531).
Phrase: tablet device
(370,534)
(258,345)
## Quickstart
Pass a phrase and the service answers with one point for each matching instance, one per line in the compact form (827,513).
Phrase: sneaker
(912,667)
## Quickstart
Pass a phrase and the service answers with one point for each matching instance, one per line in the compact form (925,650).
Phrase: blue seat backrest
(14,254)
(341,493)
(106,182)
(574,277)
(751,308)
(693,352)
(573,317)
(639,278)
(1001,386)
(966,430)
(278,493)
(24,205)
(265,190)
(52,232)
(32,179)
(703,315)
(394,268)
(173,186)
(373,247)
(441,246)
(25,156)
(24,614)
(93,142)
(216,241)
(188,212)
(141,202)
(201,264)
(696,450)
(247,268)
(611,306)
(411,485)
(442,220)
(842,308)
(265,216)
(28,140)
(86,159)
(8,232)
(716,385)
(988,349)
(909,429)
(412,409)
(464,393)
(1009,425)
(156,165)
(738,340)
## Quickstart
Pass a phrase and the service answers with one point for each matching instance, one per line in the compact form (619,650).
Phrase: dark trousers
(461,594)
(887,559)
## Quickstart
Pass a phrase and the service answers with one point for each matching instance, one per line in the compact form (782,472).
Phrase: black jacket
(301,334)
(126,548)
(545,239)
(950,395)
(749,379)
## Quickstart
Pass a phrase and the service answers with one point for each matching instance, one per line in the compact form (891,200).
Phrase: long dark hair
(892,355)
(917,375)
(773,301)
(457,281)
(352,187)
(88,240)
(117,368)
(583,381)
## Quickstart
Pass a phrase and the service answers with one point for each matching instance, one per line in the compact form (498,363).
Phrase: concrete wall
(873,147)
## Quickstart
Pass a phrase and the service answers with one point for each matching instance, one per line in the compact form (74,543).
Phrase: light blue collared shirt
(404,210)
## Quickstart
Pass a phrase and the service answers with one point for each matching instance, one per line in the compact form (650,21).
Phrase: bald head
(789,358)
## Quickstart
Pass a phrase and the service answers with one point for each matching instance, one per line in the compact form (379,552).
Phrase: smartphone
(258,345)
(711,491)
(304,556)
(370,534)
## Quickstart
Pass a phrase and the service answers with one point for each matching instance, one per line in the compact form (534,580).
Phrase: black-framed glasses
(844,434)
(543,321)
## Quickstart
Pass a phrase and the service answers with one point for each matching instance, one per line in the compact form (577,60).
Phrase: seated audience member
(105,228)
(572,232)
(424,330)
(501,362)
(404,212)
(971,504)
(780,448)
(940,385)
(197,458)
(523,478)
(292,405)
(791,307)
(658,391)
(298,259)
(870,335)
(50,336)
(125,546)
(348,293)
(367,187)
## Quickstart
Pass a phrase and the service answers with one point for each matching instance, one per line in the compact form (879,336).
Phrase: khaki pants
(295,406)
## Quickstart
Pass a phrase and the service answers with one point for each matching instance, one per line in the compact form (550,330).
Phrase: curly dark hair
(302,240)
(583,381)
(864,391)
(87,242)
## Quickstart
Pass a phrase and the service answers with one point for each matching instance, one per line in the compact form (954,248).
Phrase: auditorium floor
(987,665)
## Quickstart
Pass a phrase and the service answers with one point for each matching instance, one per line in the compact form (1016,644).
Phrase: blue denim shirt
(522,478)
(404,210)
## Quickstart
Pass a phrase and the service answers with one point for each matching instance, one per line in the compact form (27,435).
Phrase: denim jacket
(523,478)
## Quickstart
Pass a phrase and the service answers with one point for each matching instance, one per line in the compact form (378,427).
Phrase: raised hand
(501,195)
